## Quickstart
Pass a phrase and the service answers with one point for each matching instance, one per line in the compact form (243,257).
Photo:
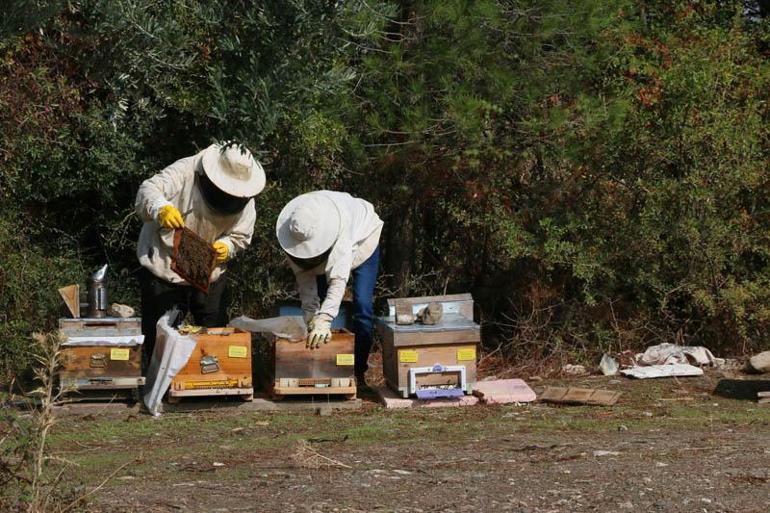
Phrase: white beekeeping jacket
(176,185)
(359,237)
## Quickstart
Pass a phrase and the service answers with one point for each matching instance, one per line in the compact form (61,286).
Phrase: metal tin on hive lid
(97,293)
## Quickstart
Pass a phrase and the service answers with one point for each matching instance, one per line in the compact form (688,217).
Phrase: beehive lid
(450,322)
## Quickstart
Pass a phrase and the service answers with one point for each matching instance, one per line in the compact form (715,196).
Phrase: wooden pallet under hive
(219,365)
(290,369)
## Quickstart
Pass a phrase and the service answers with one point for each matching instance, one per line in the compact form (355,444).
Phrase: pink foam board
(502,391)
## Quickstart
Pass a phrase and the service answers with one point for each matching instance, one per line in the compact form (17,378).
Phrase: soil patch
(668,445)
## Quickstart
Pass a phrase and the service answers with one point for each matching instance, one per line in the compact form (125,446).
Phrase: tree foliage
(594,172)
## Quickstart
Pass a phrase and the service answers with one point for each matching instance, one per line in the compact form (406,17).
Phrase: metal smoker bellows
(97,293)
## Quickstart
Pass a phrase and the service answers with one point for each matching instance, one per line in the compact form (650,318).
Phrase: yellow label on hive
(466,354)
(407,356)
(237,352)
(215,383)
(119,353)
(345,359)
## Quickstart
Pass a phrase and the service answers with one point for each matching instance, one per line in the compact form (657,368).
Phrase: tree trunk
(400,249)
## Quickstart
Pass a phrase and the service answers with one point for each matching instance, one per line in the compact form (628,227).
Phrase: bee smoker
(97,293)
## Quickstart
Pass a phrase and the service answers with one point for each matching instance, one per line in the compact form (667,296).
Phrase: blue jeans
(364,279)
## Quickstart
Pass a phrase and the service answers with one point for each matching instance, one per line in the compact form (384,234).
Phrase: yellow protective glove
(170,217)
(320,332)
(222,251)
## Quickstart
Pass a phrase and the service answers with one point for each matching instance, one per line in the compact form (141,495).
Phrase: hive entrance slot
(314,382)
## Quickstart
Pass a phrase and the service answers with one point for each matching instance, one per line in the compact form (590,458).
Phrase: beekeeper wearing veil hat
(212,193)
(329,238)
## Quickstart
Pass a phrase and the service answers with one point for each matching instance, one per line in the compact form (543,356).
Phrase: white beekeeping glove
(320,332)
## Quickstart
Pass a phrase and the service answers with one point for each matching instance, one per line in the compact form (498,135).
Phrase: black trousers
(159,296)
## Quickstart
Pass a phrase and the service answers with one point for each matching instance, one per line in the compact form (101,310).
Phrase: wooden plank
(390,362)
(428,299)
(278,390)
(763,394)
(390,400)
(211,391)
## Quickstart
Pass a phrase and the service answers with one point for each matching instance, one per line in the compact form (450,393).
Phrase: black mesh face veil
(311,263)
(219,200)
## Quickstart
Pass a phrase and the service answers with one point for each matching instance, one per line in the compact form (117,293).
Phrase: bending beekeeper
(212,193)
(330,237)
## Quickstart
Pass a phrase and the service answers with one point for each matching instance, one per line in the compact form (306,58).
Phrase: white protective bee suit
(176,185)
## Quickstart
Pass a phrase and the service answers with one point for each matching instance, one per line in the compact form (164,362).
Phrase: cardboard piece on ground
(503,391)
(574,395)
(663,371)
(71,296)
(392,400)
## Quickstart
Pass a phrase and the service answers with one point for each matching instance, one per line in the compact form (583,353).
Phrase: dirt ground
(687,445)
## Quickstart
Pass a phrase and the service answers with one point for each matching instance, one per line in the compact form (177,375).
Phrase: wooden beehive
(97,362)
(292,369)
(219,365)
(450,344)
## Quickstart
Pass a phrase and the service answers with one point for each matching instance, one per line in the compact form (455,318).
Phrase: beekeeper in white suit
(212,193)
(330,237)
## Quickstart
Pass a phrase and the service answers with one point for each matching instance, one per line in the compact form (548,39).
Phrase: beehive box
(219,365)
(291,369)
(435,359)
(101,354)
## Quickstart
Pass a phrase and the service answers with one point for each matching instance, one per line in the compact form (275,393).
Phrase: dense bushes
(595,172)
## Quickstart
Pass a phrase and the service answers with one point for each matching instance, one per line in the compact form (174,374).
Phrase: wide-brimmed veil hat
(233,170)
(308,225)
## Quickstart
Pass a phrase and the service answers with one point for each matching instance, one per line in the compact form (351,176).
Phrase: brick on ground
(392,400)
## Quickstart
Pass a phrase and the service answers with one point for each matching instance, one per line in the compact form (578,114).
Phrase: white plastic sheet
(291,327)
(668,354)
(172,351)
(109,341)
(663,371)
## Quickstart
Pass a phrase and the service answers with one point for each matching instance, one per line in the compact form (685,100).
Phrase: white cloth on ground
(669,354)
(663,371)
(172,351)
